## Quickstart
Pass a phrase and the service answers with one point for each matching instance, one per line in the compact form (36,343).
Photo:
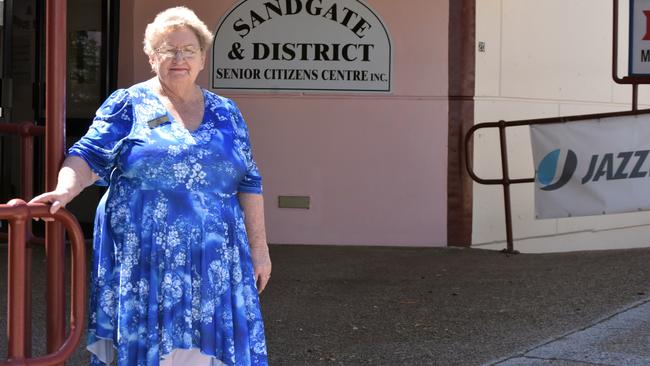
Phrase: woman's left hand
(261,265)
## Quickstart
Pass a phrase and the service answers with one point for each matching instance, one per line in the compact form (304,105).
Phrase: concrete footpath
(621,339)
(335,305)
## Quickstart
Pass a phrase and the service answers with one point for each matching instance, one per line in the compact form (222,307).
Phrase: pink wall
(374,165)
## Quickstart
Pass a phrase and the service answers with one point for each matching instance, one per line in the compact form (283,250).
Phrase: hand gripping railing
(18,213)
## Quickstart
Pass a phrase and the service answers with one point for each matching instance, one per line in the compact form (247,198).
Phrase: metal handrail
(18,213)
(506,181)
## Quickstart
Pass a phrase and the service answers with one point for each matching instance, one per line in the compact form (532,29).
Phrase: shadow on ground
(329,305)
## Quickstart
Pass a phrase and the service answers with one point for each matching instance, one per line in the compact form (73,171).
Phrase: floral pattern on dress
(171,261)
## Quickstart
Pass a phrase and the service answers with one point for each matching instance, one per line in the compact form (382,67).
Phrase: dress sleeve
(101,145)
(252,181)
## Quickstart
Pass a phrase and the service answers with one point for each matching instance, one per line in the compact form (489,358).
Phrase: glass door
(92,35)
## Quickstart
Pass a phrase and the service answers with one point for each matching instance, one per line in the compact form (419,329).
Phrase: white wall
(545,59)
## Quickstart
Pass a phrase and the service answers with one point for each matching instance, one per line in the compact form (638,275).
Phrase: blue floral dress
(171,261)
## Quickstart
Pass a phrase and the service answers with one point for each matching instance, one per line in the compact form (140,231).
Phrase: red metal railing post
(26,132)
(16,285)
(55,99)
(27,192)
(17,212)
(27,161)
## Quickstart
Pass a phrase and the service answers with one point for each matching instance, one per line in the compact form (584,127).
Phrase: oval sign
(314,45)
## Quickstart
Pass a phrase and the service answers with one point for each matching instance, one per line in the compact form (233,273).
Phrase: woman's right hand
(58,198)
(74,176)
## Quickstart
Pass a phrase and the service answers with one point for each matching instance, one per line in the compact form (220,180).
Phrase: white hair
(171,19)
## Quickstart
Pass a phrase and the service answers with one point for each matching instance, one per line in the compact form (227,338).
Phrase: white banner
(592,167)
(315,45)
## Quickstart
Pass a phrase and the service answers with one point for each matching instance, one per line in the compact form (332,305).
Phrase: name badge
(158,121)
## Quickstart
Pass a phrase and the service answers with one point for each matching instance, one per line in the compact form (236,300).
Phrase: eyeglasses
(188,52)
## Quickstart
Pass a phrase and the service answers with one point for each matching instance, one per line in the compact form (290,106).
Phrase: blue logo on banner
(549,166)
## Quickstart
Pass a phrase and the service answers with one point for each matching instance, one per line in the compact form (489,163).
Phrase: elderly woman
(180,250)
